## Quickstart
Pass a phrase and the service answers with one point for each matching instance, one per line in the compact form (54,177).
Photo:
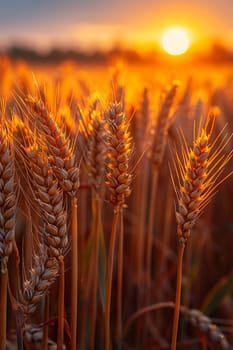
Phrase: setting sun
(175,41)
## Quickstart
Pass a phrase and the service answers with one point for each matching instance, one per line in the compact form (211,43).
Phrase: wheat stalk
(198,171)
(66,170)
(156,154)
(93,127)
(7,215)
(118,181)
(48,198)
(55,230)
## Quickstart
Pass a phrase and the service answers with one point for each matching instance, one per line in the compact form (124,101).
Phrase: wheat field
(116,206)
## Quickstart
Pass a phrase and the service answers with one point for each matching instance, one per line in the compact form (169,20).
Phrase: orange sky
(100,23)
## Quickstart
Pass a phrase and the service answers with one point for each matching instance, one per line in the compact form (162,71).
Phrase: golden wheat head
(198,172)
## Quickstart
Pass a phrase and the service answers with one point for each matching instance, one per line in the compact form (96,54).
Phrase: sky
(92,24)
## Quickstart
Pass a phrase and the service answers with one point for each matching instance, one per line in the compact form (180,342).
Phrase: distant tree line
(218,53)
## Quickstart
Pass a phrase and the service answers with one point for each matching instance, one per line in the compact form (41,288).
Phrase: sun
(175,41)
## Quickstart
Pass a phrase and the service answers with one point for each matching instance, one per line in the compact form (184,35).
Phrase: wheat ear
(93,127)
(34,337)
(197,319)
(160,130)
(207,327)
(42,275)
(60,148)
(49,198)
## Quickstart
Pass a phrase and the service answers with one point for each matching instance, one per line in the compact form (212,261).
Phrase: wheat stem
(141,239)
(74,272)
(3,307)
(19,329)
(95,265)
(178,294)
(109,279)
(61,309)
(149,242)
(165,239)
(119,282)
(46,319)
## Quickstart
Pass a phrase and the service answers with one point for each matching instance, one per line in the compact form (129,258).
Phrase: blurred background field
(76,61)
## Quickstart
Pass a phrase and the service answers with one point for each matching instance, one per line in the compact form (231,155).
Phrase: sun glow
(175,41)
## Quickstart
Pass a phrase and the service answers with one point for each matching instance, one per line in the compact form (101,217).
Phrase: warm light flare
(175,41)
